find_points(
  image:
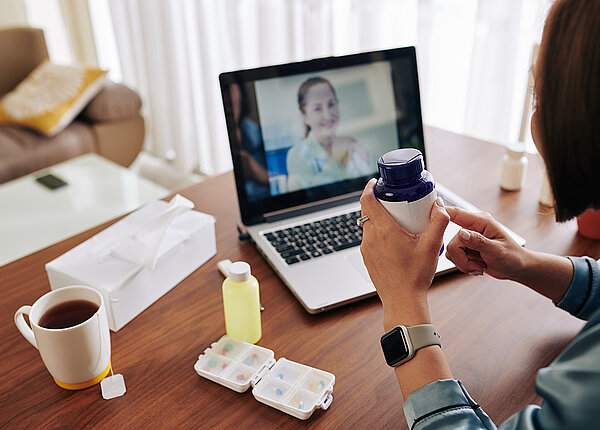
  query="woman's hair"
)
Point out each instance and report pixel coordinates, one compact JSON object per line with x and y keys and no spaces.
{"x":302,"y":95}
{"x":567,"y":90}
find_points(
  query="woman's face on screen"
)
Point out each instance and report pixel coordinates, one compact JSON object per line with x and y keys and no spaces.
{"x":321,"y":112}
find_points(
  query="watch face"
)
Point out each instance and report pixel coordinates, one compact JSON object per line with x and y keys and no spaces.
{"x":394,"y":346}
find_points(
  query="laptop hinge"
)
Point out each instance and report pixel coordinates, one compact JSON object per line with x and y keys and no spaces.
{"x":312,"y":207}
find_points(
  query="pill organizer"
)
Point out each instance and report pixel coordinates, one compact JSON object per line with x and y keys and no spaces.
{"x":291,"y":387}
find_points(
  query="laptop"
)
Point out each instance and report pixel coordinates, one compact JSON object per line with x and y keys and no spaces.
{"x":305,"y":138}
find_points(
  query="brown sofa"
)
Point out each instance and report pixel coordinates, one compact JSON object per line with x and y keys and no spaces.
{"x":111,"y":125}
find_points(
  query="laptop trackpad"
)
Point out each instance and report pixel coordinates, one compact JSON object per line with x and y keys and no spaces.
{"x":356,"y":261}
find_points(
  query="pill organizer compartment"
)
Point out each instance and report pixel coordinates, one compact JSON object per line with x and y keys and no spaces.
{"x":256,"y":358}
{"x":213,"y":364}
{"x":241,"y":374}
{"x":288,"y":371}
{"x":229,"y":348}
{"x":301,"y":399}
{"x":291,"y":387}
{"x":273,"y":389}
{"x":316,"y":381}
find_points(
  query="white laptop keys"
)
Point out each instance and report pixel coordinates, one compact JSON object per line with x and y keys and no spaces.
{"x":305,"y":138}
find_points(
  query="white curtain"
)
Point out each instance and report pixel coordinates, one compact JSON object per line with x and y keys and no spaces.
{"x":474,"y":62}
{"x":473,"y":58}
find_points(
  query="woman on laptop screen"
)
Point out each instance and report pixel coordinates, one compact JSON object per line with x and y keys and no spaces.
{"x":323,"y":157}
{"x":566,"y":130}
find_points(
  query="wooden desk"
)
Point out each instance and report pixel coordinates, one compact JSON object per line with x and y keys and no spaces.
{"x":496,"y":334}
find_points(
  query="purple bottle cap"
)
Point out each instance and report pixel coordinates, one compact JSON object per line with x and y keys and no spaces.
{"x":401,"y":165}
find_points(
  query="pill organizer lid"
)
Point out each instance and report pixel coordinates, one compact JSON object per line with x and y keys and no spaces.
{"x":291,"y":387}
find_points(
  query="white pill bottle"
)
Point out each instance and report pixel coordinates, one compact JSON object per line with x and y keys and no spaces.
{"x":406,"y":189}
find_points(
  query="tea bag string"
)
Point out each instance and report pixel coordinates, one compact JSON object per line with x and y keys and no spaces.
{"x":102,"y":344}
{"x":99,"y":357}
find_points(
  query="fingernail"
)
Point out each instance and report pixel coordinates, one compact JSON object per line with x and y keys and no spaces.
{"x":475,"y":273}
{"x":372,"y":180}
{"x":440,"y":201}
{"x":464,"y":234}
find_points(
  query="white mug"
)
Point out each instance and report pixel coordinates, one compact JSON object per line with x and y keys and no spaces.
{"x":77,"y":357}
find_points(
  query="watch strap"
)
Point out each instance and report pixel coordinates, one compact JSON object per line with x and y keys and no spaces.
{"x":423,"y":335}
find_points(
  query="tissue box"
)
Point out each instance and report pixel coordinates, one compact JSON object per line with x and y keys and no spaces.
{"x":166,"y":245}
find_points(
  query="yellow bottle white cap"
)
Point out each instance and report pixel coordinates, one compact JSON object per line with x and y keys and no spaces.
{"x":239,"y":271}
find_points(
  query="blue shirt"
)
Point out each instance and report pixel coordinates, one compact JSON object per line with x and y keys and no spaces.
{"x":569,"y":387}
{"x":310,"y":165}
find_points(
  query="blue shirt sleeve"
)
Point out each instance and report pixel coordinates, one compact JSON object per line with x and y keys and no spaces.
{"x":444,"y":404}
{"x":582,"y":298}
{"x":569,"y":387}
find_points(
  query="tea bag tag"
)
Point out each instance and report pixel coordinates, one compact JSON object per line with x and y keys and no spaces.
{"x":113,"y":386}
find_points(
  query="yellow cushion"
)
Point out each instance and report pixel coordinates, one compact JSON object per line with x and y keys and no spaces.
{"x":51,"y":97}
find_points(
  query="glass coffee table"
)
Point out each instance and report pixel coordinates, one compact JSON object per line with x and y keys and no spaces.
{"x":33,"y":216}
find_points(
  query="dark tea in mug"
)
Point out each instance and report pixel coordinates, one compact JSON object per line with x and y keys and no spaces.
{"x":68,"y":314}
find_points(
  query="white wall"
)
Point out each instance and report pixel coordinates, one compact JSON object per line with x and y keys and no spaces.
{"x":12,"y":13}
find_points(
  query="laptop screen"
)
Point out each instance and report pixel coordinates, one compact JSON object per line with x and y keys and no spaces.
{"x":313,"y":130}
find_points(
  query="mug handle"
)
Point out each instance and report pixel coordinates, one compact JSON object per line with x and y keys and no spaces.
{"x":23,"y":326}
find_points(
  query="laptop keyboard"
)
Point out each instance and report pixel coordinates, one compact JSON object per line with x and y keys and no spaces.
{"x":315,"y":239}
{"x":318,"y":238}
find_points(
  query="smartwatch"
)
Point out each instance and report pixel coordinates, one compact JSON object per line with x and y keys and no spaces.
{"x":400,"y":343}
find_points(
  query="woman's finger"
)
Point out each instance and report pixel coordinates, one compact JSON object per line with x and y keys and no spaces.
{"x":472,"y":254}
{"x":439,"y":222}
{"x":478,"y":222}
{"x":474,"y":240}
{"x":474,"y":268}
{"x":371,"y":207}
{"x":459,"y":255}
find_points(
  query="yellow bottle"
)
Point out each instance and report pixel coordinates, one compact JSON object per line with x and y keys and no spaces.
{"x":241,"y":303}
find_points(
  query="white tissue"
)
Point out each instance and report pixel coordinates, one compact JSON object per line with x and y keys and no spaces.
{"x":142,"y":248}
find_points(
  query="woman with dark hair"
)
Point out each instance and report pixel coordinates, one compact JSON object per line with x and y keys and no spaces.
{"x":247,"y":145}
{"x":566,"y":130}
{"x":323,"y":157}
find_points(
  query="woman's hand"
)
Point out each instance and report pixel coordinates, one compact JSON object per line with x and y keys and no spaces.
{"x":344,"y":149}
{"x":483,"y":246}
{"x":341,"y":150}
{"x":401,"y":265}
